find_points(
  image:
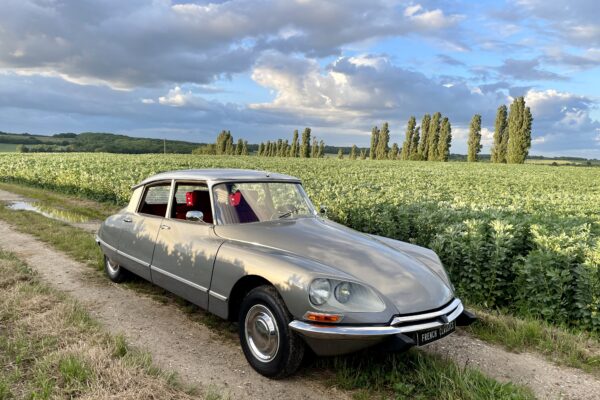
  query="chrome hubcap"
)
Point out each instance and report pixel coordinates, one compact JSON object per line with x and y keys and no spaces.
{"x":262,"y":333}
{"x":113,"y":267}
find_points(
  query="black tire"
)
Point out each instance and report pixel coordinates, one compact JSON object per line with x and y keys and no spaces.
{"x":290,"y":349}
{"x":115,"y":272}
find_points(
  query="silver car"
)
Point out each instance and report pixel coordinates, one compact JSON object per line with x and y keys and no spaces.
{"x":250,"y":247}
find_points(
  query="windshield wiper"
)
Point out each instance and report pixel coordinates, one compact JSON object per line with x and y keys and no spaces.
{"x":288,"y":213}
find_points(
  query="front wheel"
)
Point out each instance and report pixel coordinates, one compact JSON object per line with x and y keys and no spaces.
{"x":115,"y":272}
{"x":270,"y":346}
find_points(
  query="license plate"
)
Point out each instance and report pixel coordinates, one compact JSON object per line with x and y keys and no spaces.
{"x":431,"y":335}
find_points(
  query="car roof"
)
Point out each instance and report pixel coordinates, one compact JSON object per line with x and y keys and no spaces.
{"x":216,"y":175}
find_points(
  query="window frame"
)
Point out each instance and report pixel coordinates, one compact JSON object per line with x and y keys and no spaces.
{"x":176,"y":182}
{"x":142,"y":198}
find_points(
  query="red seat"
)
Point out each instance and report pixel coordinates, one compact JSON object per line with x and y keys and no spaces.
{"x":198,"y":200}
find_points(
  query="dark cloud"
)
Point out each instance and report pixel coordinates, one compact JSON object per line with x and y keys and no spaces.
{"x":527,"y":70}
{"x":446,"y":59}
{"x":145,"y":43}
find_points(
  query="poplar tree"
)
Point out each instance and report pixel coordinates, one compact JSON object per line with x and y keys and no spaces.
{"x":321,"y":152}
{"x":445,"y":140}
{"x":374,"y":142}
{"x":498,"y":154}
{"x":261,"y":148}
{"x":340,"y":153}
{"x":414,"y":147}
{"x":238,"y":147}
{"x":229,"y":147}
{"x":295,"y":149}
{"x":519,"y":132}
{"x":245,"y":148}
{"x":383,"y":142}
{"x":222,"y":141}
{"x":285,"y":150}
{"x":363,"y":154}
{"x":305,"y":149}
{"x":393,"y":154}
{"x":353,"y":154}
{"x":424,"y":144}
{"x":433,"y":136}
{"x":408,"y":139}
{"x":474,"y":141}
{"x":315,"y":148}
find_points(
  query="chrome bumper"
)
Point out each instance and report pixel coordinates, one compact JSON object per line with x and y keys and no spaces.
{"x":400,"y":324}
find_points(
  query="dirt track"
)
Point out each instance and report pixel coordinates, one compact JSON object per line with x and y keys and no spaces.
{"x":199,"y":357}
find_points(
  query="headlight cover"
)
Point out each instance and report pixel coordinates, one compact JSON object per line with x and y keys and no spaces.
{"x":347,"y":296}
{"x":319,"y":291}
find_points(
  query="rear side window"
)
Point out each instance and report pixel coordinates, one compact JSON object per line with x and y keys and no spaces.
{"x":156,"y":200}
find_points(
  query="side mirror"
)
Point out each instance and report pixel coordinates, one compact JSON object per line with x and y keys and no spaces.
{"x":323,"y":210}
{"x":194,"y":216}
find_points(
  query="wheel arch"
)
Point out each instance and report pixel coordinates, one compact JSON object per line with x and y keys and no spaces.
{"x":241,"y":288}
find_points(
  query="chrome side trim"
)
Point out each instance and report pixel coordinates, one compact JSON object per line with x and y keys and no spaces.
{"x":134,"y":259}
{"x":103,"y":243}
{"x":217,"y":295}
{"x":321,"y":331}
{"x":419,"y":317}
{"x":177,"y":278}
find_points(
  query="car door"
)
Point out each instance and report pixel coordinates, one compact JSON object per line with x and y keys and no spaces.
{"x":140,"y":227}
{"x":185,"y":250}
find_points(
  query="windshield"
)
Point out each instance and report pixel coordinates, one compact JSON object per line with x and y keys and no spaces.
{"x":240,"y":203}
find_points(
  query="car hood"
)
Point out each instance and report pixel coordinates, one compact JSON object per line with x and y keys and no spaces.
{"x":399,"y":275}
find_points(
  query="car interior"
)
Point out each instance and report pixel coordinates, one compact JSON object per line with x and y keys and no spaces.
{"x":192,"y":198}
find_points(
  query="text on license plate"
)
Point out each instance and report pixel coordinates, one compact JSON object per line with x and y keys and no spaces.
{"x":435,"y":334}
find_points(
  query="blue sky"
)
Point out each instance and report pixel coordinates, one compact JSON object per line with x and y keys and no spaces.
{"x":262,"y":68}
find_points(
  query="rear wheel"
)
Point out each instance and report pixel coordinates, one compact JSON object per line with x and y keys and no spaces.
{"x":270,"y":346}
{"x":115,"y":272}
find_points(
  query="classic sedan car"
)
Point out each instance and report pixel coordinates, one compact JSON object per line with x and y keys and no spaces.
{"x":250,"y":247}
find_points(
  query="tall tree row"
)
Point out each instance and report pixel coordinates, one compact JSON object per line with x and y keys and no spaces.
{"x":305,"y":149}
{"x":498,"y":154}
{"x":445,"y":140}
{"x":519,"y":132}
{"x":408,"y":138}
{"x":374,"y":143}
{"x":474,"y":142}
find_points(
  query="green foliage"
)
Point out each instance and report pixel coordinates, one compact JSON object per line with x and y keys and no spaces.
{"x":434,"y":136}
{"x":353,"y":153}
{"x":424,"y":144}
{"x":521,"y":238}
{"x":314,"y":149}
{"x":519,"y":131}
{"x":409,"y":138}
{"x":295,"y":148}
{"x":321,"y":151}
{"x":374,"y":143}
{"x":383,"y":142}
{"x":340,"y":154}
{"x":445,"y":140}
{"x":305,"y":149}
{"x":474,"y":142}
{"x":394,"y":152}
{"x":500,"y":136}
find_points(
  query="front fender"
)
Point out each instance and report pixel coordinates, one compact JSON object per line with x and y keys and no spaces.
{"x":289,"y":273}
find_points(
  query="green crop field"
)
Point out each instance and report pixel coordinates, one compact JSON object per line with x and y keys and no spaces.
{"x":8,"y":148}
{"x":524,"y":238}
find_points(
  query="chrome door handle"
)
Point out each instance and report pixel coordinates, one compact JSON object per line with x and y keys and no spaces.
{"x":165,"y":227}
{"x":127,"y":219}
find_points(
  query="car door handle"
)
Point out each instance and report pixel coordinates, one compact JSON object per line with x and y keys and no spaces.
{"x":165,"y":227}
{"x":127,"y":219}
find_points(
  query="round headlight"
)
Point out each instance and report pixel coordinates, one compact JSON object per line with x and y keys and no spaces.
{"x":319,"y":291}
{"x":343,"y":291}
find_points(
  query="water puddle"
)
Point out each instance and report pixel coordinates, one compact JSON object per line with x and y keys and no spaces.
{"x":49,"y":212}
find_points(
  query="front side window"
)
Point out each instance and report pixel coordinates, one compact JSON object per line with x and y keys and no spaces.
{"x":245,"y":202}
{"x":156,"y":200}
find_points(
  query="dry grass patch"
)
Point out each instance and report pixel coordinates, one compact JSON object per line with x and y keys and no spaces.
{"x":51,"y":348}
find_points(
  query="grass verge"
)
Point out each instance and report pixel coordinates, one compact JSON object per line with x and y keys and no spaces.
{"x":575,"y":349}
{"x":51,"y":348}
{"x":85,"y":208}
{"x":411,"y":375}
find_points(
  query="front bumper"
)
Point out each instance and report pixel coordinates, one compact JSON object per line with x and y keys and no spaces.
{"x":341,"y":339}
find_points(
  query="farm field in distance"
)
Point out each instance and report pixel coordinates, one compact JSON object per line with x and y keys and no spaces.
{"x":523,"y":238}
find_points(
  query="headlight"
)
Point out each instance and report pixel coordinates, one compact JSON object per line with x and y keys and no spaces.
{"x":347,"y":296}
{"x":319,"y":291}
{"x":343,"y":291}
